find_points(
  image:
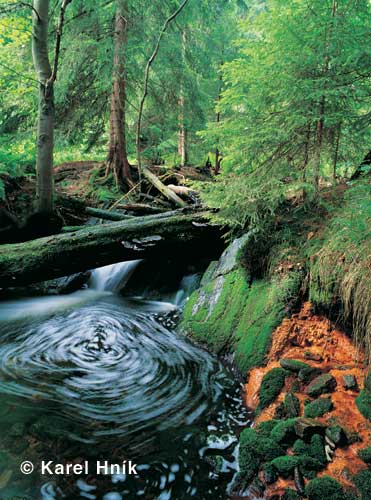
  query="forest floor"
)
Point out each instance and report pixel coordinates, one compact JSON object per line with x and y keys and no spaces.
{"x":316,"y":341}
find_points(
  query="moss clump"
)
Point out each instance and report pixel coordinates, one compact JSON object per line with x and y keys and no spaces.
{"x":291,"y":495}
{"x":315,"y":449}
{"x":264,"y":429}
{"x":318,"y":408}
{"x":365,"y":455}
{"x":271,"y":386}
{"x":324,"y":488}
{"x":284,"y":432}
{"x":307,"y":374}
{"x":363,"y":483}
{"x":291,"y":405}
{"x":363,"y":401}
{"x":286,"y":464}
{"x":264,"y":448}
{"x":293,"y":365}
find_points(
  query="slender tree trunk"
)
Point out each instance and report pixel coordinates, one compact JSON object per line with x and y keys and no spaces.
{"x":336,"y":150}
{"x":45,"y":129}
{"x":117,"y":160}
{"x":182,"y":131}
{"x":218,"y":156}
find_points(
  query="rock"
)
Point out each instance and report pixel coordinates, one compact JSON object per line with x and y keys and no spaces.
{"x":336,"y":434}
{"x":320,"y":385}
{"x":306,"y":427}
{"x":306,"y":375}
{"x":291,"y":405}
{"x":318,"y":407}
{"x":293,"y":365}
{"x":329,"y":453}
{"x":299,"y":481}
{"x":313,"y":356}
{"x":350,"y":382}
{"x":269,"y":474}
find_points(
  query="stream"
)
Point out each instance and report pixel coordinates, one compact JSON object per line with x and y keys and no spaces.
{"x":95,"y":376}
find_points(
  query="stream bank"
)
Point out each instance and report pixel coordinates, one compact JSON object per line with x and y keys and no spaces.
{"x":291,"y":311}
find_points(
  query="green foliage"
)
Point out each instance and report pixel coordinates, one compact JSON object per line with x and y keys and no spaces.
{"x":318,"y":408}
{"x":271,"y":386}
{"x":315,"y":449}
{"x":363,"y":402}
{"x":365,"y":455}
{"x":363,"y":483}
{"x":265,"y":428}
{"x":324,"y":487}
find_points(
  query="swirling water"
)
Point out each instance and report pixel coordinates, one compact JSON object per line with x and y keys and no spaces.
{"x":94,"y":376}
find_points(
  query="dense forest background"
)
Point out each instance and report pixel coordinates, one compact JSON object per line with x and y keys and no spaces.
{"x":271,"y":95}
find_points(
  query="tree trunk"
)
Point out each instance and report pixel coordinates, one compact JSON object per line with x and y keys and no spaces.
{"x":143,"y":237}
{"x":182,"y":131}
{"x":45,"y":129}
{"x":117,"y":160}
{"x":218,"y":156}
{"x":336,"y":150}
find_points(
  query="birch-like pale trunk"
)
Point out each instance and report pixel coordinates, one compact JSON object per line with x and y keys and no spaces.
{"x":45,"y":129}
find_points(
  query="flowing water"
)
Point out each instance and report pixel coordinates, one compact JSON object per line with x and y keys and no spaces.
{"x":91,"y":377}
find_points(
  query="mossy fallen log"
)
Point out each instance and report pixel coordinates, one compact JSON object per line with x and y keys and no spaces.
{"x":94,"y":246}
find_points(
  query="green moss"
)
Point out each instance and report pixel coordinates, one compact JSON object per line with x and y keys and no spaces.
{"x":363,"y":402}
{"x":315,"y":449}
{"x":324,"y":488}
{"x":263,"y":447}
{"x":363,"y":483}
{"x":264,"y":429}
{"x":293,"y":365}
{"x":228,"y":313}
{"x":286,"y":464}
{"x":365,"y":455}
{"x":284,"y":432}
{"x":291,"y":495}
{"x":271,"y":386}
{"x":318,"y":408}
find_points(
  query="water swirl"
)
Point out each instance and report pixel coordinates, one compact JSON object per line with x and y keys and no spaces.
{"x":112,"y":368}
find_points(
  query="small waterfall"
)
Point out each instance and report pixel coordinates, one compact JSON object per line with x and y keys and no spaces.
{"x":114,"y":277}
{"x":188,"y":284}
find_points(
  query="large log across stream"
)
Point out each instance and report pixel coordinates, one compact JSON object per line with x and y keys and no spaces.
{"x":93,"y":246}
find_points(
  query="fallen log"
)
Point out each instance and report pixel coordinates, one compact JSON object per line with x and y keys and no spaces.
{"x":100,"y":213}
{"x":142,"y":208}
{"x":168,"y":193}
{"x":141,"y":237}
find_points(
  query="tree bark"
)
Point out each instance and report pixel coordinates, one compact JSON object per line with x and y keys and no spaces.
{"x":45,"y":129}
{"x":93,"y":246}
{"x":117,"y":159}
{"x":182,"y":131}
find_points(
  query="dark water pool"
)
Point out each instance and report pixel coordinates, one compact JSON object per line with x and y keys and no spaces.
{"x":93,"y":377}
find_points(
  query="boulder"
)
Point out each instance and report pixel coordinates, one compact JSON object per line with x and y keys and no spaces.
{"x":306,"y":427}
{"x":321,"y":385}
{"x":293,"y":365}
{"x":350,"y":382}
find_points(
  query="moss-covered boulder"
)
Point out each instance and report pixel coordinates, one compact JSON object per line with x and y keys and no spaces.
{"x":293,"y":365}
{"x":324,"y":488}
{"x":365,"y":455}
{"x":318,"y":407}
{"x":291,"y":495}
{"x":363,"y":400}
{"x":363,"y":483}
{"x":228,"y":312}
{"x":321,"y":385}
{"x":271,"y":386}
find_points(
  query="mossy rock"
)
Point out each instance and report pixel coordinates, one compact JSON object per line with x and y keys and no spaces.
{"x":321,"y":385}
{"x":291,"y":405}
{"x":269,"y":473}
{"x":290,"y":495}
{"x":293,"y":365}
{"x":271,"y":386}
{"x":228,"y":311}
{"x":314,"y":449}
{"x":286,"y":464}
{"x":363,"y":402}
{"x":309,"y":373}
{"x":324,"y":488}
{"x":318,"y":408}
{"x":306,"y":427}
{"x":337,"y":435}
{"x":264,"y":448}
{"x":365,"y":455}
{"x":363,"y":484}
{"x":264,"y":429}
{"x":284,"y":432}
